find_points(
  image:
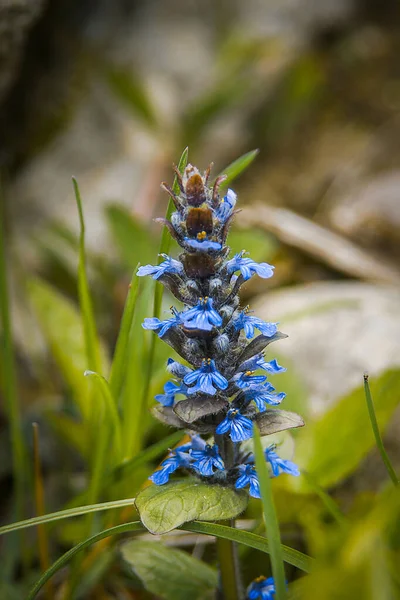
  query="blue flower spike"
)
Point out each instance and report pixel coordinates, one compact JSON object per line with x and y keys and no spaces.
{"x":202,"y":316}
{"x":262,"y":588}
{"x":213,"y":393}
{"x":205,"y":378}
{"x":168,"y":265}
{"x":249,"y":267}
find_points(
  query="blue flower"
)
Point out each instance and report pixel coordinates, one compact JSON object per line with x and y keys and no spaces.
{"x":169,"y":265}
{"x":258,"y":362}
{"x":179,"y":457}
{"x":170,"y":391}
{"x":202,"y":243}
{"x":248,"y":267}
{"x":240,"y":428}
{"x":246,"y":379}
{"x":280,"y":465}
{"x":262,"y":394}
{"x":226,"y":206}
{"x":207,"y":460}
{"x":162,"y":327}
{"x":202,"y":316}
{"x":248,"y":476}
{"x":205,"y":377}
{"x":249,"y":323}
{"x":261,"y":589}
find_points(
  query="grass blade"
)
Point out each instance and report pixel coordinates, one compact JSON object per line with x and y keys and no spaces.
{"x":271,"y":520}
{"x":327,"y":501}
{"x":237,"y":167}
{"x":220,"y":531}
{"x":252,"y":540}
{"x":66,"y":514}
{"x":120,"y":359}
{"x":377,"y":434}
{"x":110,"y":410}
{"x":158,"y":293}
{"x":89,"y":325}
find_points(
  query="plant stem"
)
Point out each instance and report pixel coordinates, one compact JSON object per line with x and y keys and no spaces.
{"x":230,"y":582}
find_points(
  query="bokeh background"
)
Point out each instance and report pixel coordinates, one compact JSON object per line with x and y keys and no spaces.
{"x":111,"y":93}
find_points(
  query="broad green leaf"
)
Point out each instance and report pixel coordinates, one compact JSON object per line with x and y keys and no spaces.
{"x":61,"y":324}
{"x":332,"y":447}
{"x":270,"y":517}
{"x":170,"y":574}
{"x":163,"y":508}
{"x":237,"y":167}
{"x":121,"y":354}
{"x":257,"y":243}
{"x":133,"y":240}
{"x":132,"y":92}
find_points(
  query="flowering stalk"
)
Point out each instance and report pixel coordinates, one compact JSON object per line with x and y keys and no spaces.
{"x":224,"y":390}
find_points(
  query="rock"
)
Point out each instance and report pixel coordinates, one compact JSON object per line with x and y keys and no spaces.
{"x":337,"y":331}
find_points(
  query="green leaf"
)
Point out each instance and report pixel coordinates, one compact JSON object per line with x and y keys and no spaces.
{"x":332,"y":447}
{"x":237,"y":167}
{"x":132,"y":92}
{"x":274,"y":420}
{"x":121,"y":354}
{"x":163,"y":508}
{"x":133,"y":240}
{"x":270,"y":517}
{"x":169,"y":573}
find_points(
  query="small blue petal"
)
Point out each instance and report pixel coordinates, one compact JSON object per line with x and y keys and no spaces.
{"x":240,"y":428}
{"x":202,"y":245}
{"x":248,"y":267}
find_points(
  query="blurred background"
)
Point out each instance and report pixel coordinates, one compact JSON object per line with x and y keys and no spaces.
{"x":111,"y":93}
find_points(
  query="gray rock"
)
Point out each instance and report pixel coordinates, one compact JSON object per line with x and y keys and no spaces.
{"x":337,"y":331}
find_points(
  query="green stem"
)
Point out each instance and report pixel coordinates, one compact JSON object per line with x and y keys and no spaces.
{"x":230,"y":582}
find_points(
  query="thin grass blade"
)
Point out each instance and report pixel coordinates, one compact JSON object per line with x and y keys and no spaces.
{"x":121,"y":353}
{"x":250,"y":539}
{"x":88,"y":321}
{"x":271,"y":520}
{"x":237,"y":167}
{"x":158,"y":292}
{"x":110,"y":410}
{"x":377,"y":434}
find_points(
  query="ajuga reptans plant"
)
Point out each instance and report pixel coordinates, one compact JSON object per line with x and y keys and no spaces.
{"x":225,"y":390}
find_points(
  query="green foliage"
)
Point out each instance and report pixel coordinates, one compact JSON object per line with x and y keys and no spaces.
{"x":333,"y":446}
{"x":169,"y":573}
{"x":163,"y":508}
